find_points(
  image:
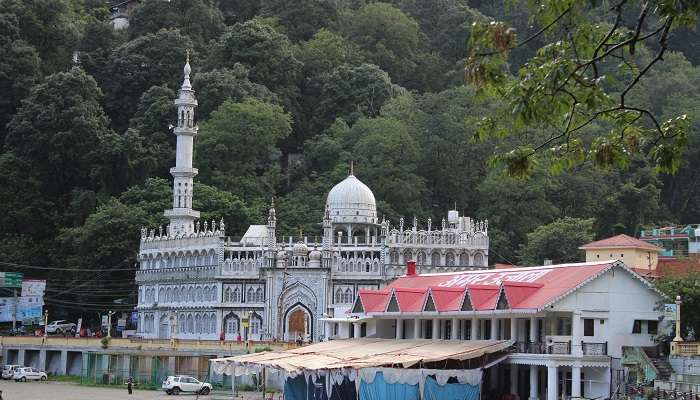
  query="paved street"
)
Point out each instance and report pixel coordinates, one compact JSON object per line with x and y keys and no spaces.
{"x":70,"y":391}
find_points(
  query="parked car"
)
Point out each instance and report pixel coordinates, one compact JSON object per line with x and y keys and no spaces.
{"x":8,"y":371}
{"x":182,"y":383}
{"x":19,"y":331}
{"x":60,"y":327}
{"x":24,"y":374}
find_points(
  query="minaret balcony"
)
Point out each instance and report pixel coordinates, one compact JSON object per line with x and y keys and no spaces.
{"x":182,"y":212}
{"x":183,"y":172}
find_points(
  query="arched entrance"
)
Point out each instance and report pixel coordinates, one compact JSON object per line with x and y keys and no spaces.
{"x":298,"y":321}
{"x":231,"y":326}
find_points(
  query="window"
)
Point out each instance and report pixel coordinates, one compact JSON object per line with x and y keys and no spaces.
{"x":653,"y":327}
{"x":255,"y":326}
{"x":588,"y":327}
{"x":637,"y":327}
{"x":564,"y":326}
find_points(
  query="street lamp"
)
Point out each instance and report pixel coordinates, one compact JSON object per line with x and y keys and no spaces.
{"x":678,"y":337}
{"x":46,"y":321}
{"x":109,"y":323}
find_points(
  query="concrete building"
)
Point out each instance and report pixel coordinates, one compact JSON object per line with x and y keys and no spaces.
{"x":195,"y":282}
{"x":568,"y":323}
{"x":641,"y":256}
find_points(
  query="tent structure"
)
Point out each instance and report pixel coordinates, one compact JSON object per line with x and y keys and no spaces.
{"x":380,"y":368}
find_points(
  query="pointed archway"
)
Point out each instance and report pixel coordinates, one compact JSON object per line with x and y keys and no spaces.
{"x":298,"y":320}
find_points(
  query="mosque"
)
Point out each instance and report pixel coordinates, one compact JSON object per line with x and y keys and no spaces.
{"x":194,"y":282}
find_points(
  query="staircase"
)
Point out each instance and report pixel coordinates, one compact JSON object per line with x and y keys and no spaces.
{"x":661,"y":364}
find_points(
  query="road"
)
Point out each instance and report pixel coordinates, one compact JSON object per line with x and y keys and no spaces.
{"x":70,"y":391}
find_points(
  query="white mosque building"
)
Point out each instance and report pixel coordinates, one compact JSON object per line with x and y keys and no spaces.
{"x":195,"y":282}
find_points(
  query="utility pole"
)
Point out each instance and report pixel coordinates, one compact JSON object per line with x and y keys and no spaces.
{"x":46,"y":321}
{"x":14,"y":311}
{"x":109,"y":324}
{"x":678,"y":337}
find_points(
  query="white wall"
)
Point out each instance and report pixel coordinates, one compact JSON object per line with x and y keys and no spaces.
{"x":624,"y":299}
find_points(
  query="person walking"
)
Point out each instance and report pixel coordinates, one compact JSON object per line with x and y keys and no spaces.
{"x":129,"y":385}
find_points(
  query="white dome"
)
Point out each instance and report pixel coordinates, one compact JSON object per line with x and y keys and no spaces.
{"x":315,"y":255}
{"x":300,"y":249}
{"x":351,"y":201}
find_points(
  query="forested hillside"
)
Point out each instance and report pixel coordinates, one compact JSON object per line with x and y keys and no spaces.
{"x":290,"y":92}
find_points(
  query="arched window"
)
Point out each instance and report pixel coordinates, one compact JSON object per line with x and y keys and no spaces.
{"x":407,"y":256}
{"x":464,"y":260}
{"x":190,"y":294}
{"x":339,"y":296}
{"x":249,"y":294}
{"x":394,"y":257}
{"x":450,"y":259}
{"x":478,"y":259}
{"x":212,"y":323}
{"x":227,"y":294}
{"x":348,"y":296}
{"x":161,"y":295}
{"x":190,"y":323}
{"x":231,"y":324}
{"x":199,"y":294}
{"x":236,"y":295}
{"x":435,"y":259}
{"x":259,"y":297}
{"x":169,"y":295}
{"x":205,"y":323}
{"x":255,"y":325}
{"x":182,"y":321}
{"x":213,"y":293}
{"x":197,"y":323}
{"x":421,"y":258}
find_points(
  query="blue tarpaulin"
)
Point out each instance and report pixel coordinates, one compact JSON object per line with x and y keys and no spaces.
{"x":450,"y":391}
{"x":380,"y":390}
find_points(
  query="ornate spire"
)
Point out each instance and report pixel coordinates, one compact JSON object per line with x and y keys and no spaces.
{"x":352,"y":167}
{"x":187,"y":70}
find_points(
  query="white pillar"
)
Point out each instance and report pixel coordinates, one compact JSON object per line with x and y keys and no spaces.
{"x":533,"y":329}
{"x":356,"y":330}
{"x":436,"y":328}
{"x":514,"y":329}
{"x":494,"y":329}
{"x":416,"y":328}
{"x":399,"y":328}
{"x":327,"y":329}
{"x":576,"y":381}
{"x":455,"y":330}
{"x":514,"y":379}
{"x":63,"y":366}
{"x":551,"y":382}
{"x":42,"y":360}
{"x":474,"y":331}
{"x":576,"y":335}
{"x":534,"y":383}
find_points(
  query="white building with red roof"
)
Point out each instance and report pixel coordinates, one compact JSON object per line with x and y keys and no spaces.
{"x":568,"y":323}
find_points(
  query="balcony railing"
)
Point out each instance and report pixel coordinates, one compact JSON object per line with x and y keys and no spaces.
{"x":588,"y":349}
{"x":543,"y":348}
{"x":685,"y":349}
{"x":594,"y":349}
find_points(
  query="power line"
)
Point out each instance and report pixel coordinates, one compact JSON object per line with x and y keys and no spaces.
{"x":10,"y":264}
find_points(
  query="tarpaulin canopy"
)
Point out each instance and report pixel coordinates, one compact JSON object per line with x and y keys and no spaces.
{"x":357,"y":354}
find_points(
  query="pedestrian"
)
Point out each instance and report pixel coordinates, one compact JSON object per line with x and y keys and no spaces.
{"x":129,"y":384}
{"x":222,"y":336}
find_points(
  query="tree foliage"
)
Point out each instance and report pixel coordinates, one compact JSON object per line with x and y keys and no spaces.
{"x":558,"y":241}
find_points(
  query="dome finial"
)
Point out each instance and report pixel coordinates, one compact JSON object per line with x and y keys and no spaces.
{"x":352,"y":167}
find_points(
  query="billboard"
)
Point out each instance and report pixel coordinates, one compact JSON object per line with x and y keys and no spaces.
{"x":33,"y":287}
{"x":29,"y":308}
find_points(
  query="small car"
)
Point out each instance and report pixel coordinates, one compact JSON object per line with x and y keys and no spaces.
{"x":8,"y":371}
{"x":24,"y":374}
{"x":60,"y":326}
{"x":183,"y":383}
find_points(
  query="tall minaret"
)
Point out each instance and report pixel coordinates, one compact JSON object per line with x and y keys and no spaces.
{"x":182,"y":215}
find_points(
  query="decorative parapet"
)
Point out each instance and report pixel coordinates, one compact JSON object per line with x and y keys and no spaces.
{"x":184,"y":274}
{"x":201,"y":229}
{"x":685,"y":349}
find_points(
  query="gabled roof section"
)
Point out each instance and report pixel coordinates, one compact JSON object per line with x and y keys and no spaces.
{"x":410,"y":299}
{"x":621,"y":242}
{"x":484,"y":297}
{"x":429,"y":303}
{"x":373,"y":300}
{"x":517,"y":292}
{"x":466,"y":302}
{"x":392,"y":305}
{"x":447,"y":299}
{"x":502,"y":303}
{"x":357,"y":308}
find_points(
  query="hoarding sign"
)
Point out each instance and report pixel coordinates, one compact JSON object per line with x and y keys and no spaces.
{"x":670,"y":311}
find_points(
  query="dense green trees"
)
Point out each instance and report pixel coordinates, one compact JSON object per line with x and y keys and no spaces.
{"x":290,"y":94}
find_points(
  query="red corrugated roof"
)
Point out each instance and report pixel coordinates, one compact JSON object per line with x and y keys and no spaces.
{"x":621,"y":241}
{"x":411,"y":299}
{"x":484,"y":297}
{"x":374,"y":300}
{"x":525,"y":288}
{"x":447,"y":299}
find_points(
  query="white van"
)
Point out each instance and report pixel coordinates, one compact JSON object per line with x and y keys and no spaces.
{"x":8,"y":371}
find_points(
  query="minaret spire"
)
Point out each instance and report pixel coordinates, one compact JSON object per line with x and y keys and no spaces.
{"x":352,"y":167}
{"x":182,"y":216}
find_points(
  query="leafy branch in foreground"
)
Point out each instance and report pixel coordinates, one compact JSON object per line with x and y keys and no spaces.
{"x":576,"y":88}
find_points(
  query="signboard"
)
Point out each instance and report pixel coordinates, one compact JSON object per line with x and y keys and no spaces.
{"x":670,"y":311}
{"x":33,"y":287}
{"x":21,"y":308}
{"x":121,"y":324}
{"x":11,"y":279}
{"x":105,"y":320}
{"x":79,"y":327}
{"x":244,"y":322}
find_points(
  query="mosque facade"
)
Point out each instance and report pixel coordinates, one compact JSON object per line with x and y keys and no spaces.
{"x":195,"y":282}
